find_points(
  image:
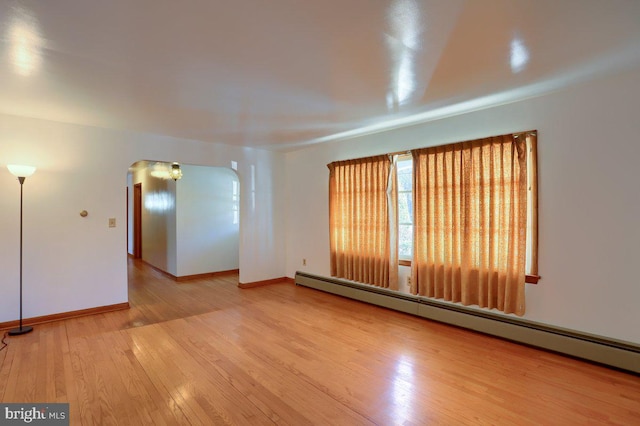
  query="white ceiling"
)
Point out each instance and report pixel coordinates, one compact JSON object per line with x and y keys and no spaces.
{"x":282,"y":73}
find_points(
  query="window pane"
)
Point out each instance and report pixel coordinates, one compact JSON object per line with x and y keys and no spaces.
{"x":404,"y":208}
{"x":405,"y":170}
{"x":405,"y":241}
{"x":404,"y":181}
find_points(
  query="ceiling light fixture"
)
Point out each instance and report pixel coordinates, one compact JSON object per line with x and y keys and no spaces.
{"x":176,"y":172}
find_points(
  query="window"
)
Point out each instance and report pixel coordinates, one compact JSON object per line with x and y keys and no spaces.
{"x":405,"y":207}
{"x":462,"y":215}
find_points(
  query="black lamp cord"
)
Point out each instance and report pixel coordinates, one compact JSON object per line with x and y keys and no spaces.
{"x":4,"y":344}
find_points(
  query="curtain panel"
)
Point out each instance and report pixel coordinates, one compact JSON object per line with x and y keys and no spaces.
{"x":470,"y":222}
{"x":359,"y":221}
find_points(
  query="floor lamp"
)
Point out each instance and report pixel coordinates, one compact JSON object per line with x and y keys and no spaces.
{"x":21,"y":172}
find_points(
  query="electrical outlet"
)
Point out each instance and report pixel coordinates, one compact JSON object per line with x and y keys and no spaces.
{"x":304,"y":262}
{"x":409,"y":280}
{"x":112,"y":222}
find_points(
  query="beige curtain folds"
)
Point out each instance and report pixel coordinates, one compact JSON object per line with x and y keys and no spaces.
{"x":470,"y":220}
{"x":359,"y":220}
{"x":392,"y":207}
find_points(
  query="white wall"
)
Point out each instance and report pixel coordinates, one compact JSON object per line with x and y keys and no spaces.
{"x":589,"y":202}
{"x":73,"y":263}
{"x":207,"y":233}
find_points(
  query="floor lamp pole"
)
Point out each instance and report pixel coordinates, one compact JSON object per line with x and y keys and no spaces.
{"x":22,"y":329}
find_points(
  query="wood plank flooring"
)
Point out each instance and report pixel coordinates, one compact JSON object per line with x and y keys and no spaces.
{"x":205,"y":352}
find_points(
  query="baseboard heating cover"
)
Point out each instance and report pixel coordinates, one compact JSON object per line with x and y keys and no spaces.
{"x":611,"y":352}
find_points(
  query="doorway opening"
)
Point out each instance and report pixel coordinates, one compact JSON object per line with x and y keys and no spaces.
{"x":188,"y":227}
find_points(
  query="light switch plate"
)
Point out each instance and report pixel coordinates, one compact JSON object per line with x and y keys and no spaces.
{"x":112,"y":222}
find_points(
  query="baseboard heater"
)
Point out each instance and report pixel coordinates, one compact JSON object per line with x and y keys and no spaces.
{"x":611,"y":352}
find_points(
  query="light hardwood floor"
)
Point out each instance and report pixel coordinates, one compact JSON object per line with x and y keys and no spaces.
{"x":205,"y":352}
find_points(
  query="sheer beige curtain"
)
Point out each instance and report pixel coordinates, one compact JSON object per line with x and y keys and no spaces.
{"x":470,"y":221}
{"x":359,"y":221}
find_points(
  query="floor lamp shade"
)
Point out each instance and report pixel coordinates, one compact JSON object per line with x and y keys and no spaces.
{"x":22,"y":172}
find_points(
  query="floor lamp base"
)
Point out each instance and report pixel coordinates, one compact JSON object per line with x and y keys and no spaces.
{"x":21,"y":330}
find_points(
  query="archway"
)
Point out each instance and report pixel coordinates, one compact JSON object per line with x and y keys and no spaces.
{"x":187,"y":228}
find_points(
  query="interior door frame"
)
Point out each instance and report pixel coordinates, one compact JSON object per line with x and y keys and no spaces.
{"x":137,"y":221}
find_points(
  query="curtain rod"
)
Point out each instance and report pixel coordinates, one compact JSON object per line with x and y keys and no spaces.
{"x":409,"y":151}
{"x":528,"y":133}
